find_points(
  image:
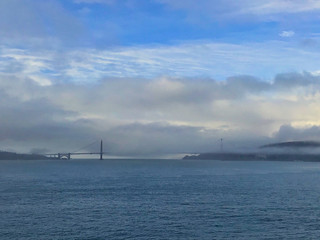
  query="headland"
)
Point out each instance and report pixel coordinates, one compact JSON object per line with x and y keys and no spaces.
{"x":18,"y":156}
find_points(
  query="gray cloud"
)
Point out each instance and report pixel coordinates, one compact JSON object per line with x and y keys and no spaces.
{"x":157,"y":138}
{"x":291,"y":80}
{"x":158,"y":116}
{"x":241,"y":85}
{"x":290,"y":133}
{"x":40,"y":123}
{"x":160,"y":139}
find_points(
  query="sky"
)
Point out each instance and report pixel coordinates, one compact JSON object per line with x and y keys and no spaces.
{"x":158,"y":77}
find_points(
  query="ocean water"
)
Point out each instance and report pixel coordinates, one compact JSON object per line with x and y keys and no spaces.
{"x":159,"y":199}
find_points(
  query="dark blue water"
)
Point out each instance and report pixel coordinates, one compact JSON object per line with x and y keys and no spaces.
{"x":159,"y":199}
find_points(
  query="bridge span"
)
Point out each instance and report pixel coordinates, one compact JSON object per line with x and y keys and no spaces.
{"x":65,"y":155}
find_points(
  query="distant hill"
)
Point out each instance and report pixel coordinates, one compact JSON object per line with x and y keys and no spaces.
{"x":293,"y":144}
{"x":255,"y":157}
{"x":17,"y":156}
{"x":286,"y":154}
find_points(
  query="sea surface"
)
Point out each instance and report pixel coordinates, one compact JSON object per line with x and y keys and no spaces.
{"x":159,"y":199}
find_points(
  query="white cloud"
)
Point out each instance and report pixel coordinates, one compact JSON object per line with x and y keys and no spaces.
{"x":287,"y":34}
{"x":281,"y":6}
{"x":230,"y":9}
{"x":193,"y":59}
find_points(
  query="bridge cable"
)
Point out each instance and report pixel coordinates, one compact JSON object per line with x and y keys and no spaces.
{"x":89,"y":145}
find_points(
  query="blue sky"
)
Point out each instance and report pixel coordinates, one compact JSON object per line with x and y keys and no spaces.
{"x":263,"y":32}
{"x":150,"y":75}
{"x":164,"y":22}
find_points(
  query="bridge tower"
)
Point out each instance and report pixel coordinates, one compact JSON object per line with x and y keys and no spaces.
{"x":101,"y":150}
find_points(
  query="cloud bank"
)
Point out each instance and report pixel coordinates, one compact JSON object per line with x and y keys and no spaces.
{"x":159,"y":116}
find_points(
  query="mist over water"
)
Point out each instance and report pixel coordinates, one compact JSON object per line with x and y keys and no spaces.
{"x":159,"y":199}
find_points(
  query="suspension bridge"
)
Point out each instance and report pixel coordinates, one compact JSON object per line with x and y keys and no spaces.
{"x":64,"y":155}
